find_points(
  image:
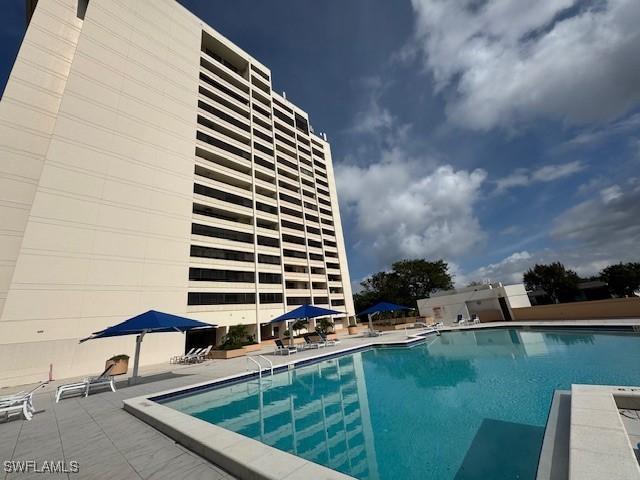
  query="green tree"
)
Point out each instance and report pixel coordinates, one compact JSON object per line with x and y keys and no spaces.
{"x":236,"y":336}
{"x":623,"y":279}
{"x":560,"y":283}
{"x":324,"y":326}
{"x":298,"y":325}
{"x":407,"y":282}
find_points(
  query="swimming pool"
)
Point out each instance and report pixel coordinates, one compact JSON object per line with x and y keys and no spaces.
{"x":464,"y":405}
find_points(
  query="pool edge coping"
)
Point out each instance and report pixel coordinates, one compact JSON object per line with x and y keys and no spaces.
{"x":236,"y":453}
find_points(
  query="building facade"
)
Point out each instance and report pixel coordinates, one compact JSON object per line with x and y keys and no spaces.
{"x":492,"y":302}
{"x":147,"y":163}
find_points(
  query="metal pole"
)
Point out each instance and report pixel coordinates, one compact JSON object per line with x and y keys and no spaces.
{"x":136,"y":360}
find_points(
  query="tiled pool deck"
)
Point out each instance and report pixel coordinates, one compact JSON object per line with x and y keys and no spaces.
{"x":107,"y":441}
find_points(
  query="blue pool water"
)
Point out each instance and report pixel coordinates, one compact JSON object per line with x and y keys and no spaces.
{"x":465,"y":405}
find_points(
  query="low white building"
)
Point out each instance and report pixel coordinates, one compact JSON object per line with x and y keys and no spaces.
{"x":491,"y":302}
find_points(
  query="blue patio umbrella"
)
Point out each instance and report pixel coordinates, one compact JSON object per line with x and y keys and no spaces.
{"x":303,"y":312}
{"x":381,"y":307}
{"x":148,"y":322}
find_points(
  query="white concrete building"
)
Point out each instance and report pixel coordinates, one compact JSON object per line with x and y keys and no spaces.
{"x":147,"y":163}
{"x":491,"y":302}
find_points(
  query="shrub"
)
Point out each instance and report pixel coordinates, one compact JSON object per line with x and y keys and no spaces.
{"x":117,"y":358}
{"x":324,"y":326}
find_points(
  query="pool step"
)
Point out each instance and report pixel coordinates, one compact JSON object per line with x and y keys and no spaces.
{"x":554,"y":455}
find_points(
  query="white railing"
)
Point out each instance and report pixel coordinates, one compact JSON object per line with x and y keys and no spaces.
{"x":259,"y":366}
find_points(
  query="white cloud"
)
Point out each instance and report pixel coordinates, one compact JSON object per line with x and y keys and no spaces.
{"x":605,"y":224}
{"x":523,"y":177}
{"x":508,"y":271}
{"x":374,"y":117}
{"x":400,"y":205}
{"x":611,"y":193}
{"x":591,"y":235}
{"x":403,"y":209}
{"x":593,"y":136}
{"x":503,"y":61}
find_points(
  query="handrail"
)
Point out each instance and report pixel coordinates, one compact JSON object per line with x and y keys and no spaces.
{"x":259,"y":367}
{"x":269,"y":362}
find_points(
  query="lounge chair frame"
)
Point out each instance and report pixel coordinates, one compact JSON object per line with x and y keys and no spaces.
{"x":103,"y":380}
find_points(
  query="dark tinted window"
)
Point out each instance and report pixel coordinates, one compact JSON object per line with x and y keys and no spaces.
{"x":208,"y":298}
{"x":269,"y":277}
{"x":270,"y":298}
{"x":268,"y":241}
{"x":223,"y":233}
{"x":298,"y":300}
{"x":270,"y":259}
{"x":224,"y":196}
{"x":212,"y":275}
{"x":209,"y":252}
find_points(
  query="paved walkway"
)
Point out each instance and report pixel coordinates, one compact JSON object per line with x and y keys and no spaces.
{"x":107,"y":442}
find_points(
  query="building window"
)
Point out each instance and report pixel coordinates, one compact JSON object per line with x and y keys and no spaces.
{"x":270,"y":277}
{"x":211,"y":275}
{"x":292,"y":225}
{"x":263,"y":207}
{"x":336,"y":302}
{"x":219,"y":253}
{"x":270,"y":298}
{"x":268,"y":241}
{"x":295,"y":268}
{"x":291,"y":211}
{"x":208,"y":298}
{"x":294,"y":254}
{"x":264,"y":163}
{"x":203,"y":137}
{"x":290,"y":199}
{"x":223,"y":233}
{"x":292,"y":239}
{"x":298,"y":300}
{"x":321,"y":300}
{"x":223,"y":196}
{"x":270,"y":259}
{"x":316,"y":256}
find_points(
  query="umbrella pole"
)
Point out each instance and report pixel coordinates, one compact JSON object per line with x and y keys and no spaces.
{"x":290,"y":334}
{"x":370,"y":324}
{"x":136,"y":360}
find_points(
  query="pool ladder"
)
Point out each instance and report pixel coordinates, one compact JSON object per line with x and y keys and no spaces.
{"x":259,"y":368}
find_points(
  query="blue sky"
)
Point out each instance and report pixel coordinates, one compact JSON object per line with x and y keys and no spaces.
{"x":491,"y":133}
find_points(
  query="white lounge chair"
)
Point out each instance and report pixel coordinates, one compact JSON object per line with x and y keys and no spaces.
{"x":327,"y":340}
{"x":190,"y":357}
{"x":21,"y":402}
{"x":178,"y":358}
{"x":101,"y":381}
{"x":202,"y":356}
{"x":281,"y":349}
{"x":475,"y":318}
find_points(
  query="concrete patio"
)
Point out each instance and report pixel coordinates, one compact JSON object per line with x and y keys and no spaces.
{"x":107,"y":441}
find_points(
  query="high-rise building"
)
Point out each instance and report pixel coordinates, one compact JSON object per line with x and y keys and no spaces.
{"x":147,"y":164}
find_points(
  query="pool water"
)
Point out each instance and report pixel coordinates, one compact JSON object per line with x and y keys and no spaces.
{"x":465,"y":405}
